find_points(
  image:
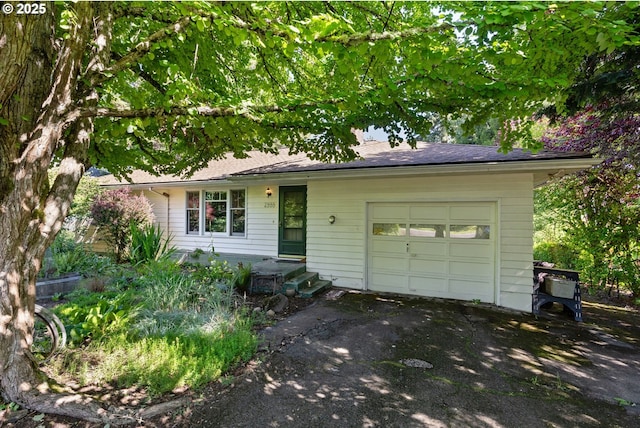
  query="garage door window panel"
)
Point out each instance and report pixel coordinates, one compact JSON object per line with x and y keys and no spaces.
{"x":465,"y":231}
{"x":428,"y":230}
{"x":389,"y":229}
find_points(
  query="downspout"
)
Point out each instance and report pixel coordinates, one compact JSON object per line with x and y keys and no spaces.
{"x":166,"y":195}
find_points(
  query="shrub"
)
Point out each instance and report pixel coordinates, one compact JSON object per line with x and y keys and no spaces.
{"x":242,"y":277}
{"x":115,"y":211}
{"x":170,"y":329}
{"x":554,"y":252}
{"x":165,"y":287}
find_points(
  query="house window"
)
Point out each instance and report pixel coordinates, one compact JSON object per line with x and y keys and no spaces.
{"x":193,"y":212}
{"x":237,"y":212}
{"x":215,"y":211}
{"x":218,"y":211}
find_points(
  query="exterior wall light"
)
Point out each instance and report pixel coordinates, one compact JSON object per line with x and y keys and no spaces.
{"x":268,"y":192}
{"x":332,"y":219}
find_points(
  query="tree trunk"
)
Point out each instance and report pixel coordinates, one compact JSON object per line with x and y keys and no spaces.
{"x":36,"y":98}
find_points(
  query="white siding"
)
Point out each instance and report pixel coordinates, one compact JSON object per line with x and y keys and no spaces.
{"x":338,"y":251}
{"x":261,"y":234}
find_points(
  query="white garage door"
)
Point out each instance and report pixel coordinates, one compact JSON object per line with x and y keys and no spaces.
{"x":433,"y":249}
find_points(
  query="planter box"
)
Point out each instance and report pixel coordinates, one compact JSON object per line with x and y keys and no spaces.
{"x":48,"y":288}
{"x":559,"y":287}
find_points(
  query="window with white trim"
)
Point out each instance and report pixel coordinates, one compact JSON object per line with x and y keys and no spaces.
{"x":216,"y":211}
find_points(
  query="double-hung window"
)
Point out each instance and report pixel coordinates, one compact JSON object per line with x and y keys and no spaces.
{"x":216,"y":211}
{"x":193,"y":212}
{"x":237,"y":210}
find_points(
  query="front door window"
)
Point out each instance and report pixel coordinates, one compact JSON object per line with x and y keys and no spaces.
{"x":293,"y":220}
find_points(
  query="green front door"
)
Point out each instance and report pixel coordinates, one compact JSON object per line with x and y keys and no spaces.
{"x":293,"y":221}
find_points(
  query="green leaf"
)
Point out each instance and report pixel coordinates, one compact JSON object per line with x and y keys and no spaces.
{"x":38,"y":418}
{"x":3,"y":121}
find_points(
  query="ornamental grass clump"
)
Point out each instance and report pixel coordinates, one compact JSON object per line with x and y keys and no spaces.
{"x":148,"y":244}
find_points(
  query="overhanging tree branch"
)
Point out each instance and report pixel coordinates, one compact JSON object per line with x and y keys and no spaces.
{"x":353,"y":39}
{"x":350,"y":40}
{"x":141,"y":49}
{"x":202,"y":110}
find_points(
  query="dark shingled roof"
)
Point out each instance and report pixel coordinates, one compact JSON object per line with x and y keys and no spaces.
{"x":379,"y":154}
{"x":374,"y":154}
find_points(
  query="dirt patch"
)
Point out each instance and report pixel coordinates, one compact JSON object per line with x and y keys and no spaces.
{"x":372,"y":360}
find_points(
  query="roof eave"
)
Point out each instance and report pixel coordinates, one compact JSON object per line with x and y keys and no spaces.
{"x":168,"y":184}
{"x":541,"y":168}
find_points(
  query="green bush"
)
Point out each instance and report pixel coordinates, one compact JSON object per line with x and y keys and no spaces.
{"x":164,"y":286}
{"x":179,"y":301}
{"x":563,"y":256}
{"x":169,"y":328}
{"x":242,"y":277}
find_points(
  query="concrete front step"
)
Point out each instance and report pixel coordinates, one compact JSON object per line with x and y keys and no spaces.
{"x":314,"y":288}
{"x":302,"y":280}
{"x":307,"y":284}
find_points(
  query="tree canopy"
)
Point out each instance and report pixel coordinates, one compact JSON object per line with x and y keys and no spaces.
{"x":190,"y":81}
{"x":167,"y":86}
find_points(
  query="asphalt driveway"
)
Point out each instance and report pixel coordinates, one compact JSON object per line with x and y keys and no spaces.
{"x":367,"y":360}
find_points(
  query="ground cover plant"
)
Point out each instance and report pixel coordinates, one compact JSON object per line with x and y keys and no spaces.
{"x":66,"y":256}
{"x":163,"y":327}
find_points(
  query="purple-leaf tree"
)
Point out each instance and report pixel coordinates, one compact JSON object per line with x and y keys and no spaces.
{"x":600,"y":207}
{"x":114,"y":211}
